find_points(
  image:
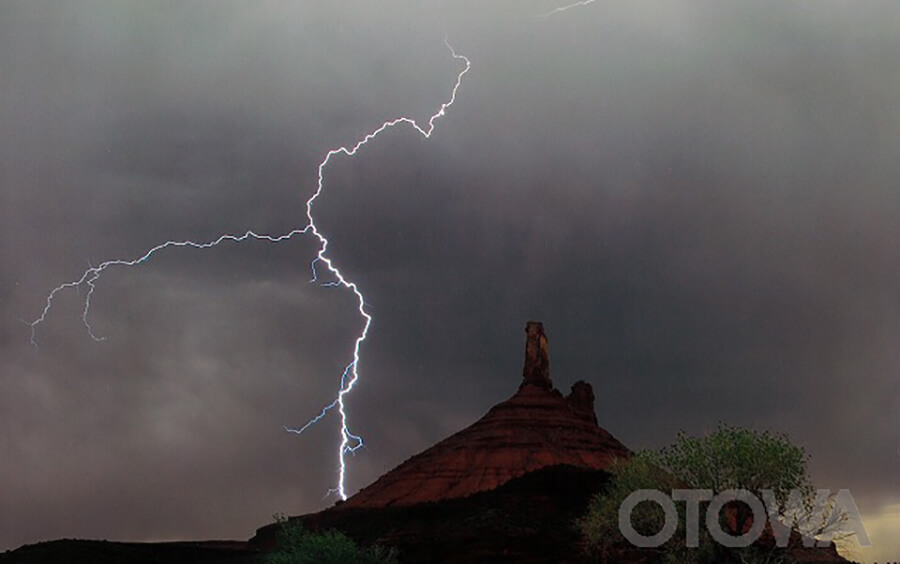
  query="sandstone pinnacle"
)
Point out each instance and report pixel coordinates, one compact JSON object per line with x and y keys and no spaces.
{"x":537,"y":357}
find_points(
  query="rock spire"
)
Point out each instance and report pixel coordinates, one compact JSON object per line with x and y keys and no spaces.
{"x":537,"y":357}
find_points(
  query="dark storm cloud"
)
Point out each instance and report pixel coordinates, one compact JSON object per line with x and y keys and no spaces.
{"x":699,"y":200}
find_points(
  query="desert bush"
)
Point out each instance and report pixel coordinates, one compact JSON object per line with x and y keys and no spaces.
{"x":296,"y":545}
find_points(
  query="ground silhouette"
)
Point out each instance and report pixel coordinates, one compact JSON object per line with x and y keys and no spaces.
{"x":507,"y":489}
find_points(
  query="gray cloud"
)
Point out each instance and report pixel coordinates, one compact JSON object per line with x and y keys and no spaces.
{"x":699,"y":202}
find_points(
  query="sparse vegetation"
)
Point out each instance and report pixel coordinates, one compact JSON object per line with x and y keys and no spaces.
{"x":296,"y":545}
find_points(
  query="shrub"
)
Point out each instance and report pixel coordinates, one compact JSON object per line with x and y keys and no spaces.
{"x":296,"y":545}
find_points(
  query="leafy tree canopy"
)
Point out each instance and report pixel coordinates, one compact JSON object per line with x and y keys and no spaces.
{"x":726,"y":459}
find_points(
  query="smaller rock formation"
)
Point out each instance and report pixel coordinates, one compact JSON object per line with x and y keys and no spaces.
{"x":581,"y":401}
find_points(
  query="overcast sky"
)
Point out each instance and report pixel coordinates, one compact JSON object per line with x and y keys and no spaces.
{"x":699,"y":199}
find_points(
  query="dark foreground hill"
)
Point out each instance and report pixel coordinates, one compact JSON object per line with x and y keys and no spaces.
{"x":67,"y":551}
{"x":525,"y":521}
{"x":528,"y":520}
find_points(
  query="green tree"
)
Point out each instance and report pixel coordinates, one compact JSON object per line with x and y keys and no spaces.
{"x":728,"y":458}
{"x":296,"y":545}
{"x":735,"y":458}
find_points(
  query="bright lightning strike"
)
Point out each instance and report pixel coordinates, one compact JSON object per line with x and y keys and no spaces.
{"x":567,"y":7}
{"x":349,"y":441}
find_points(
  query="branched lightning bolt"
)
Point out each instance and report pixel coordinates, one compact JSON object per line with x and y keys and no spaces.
{"x":567,"y":7}
{"x":349,"y":441}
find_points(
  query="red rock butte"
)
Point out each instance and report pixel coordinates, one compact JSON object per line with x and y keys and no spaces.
{"x":536,"y":428}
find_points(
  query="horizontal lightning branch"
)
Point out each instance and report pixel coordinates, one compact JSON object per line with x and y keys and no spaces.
{"x":93,"y":273}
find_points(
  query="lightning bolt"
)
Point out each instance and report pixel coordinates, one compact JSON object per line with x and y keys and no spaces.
{"x":349,"y":441}
{"x":567,"y":7}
